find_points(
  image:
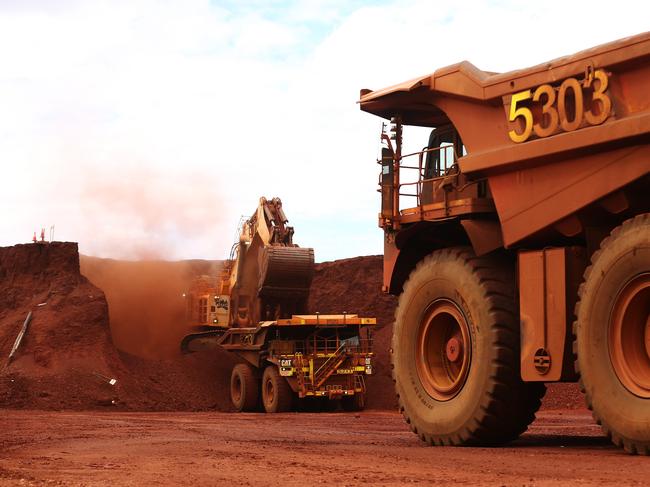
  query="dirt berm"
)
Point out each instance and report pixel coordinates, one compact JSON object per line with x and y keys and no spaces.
{"x":71,"y":351}
{"x":67,"y":357}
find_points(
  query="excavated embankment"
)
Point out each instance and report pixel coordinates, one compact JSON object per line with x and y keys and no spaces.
{"x":67,"y":356}
{"x":354,"y":286}
{"x":67,"y":348}
{"x":71,"y":351}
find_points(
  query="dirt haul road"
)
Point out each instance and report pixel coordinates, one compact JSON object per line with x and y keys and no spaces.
{"x":370,"y":448}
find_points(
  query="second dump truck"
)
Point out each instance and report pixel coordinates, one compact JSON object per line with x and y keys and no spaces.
{"x":518,"y":242}
{"x":256,"y":308}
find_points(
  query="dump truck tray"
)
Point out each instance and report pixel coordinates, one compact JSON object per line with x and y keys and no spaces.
{"x":254,"y":338}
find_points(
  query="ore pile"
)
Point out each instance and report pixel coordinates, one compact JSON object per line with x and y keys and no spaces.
{"x":66,"y":351}
{"x":67,"y":359}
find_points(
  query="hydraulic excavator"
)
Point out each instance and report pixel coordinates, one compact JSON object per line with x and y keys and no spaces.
{"x":266,"y":277}
{"x":256,"y":307}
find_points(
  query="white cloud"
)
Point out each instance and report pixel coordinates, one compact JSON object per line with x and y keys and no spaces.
{"x":231,"y":101}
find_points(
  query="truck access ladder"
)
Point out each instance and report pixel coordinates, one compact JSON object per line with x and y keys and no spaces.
{"x":329,"y":366}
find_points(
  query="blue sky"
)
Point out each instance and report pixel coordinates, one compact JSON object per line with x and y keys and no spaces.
{"x":145,"y":129}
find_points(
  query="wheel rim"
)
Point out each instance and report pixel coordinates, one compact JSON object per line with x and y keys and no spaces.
{"x":443,"y":350}
{"x":629,"y":335}
{"x":269,"y":391}
{"x":236,"y":389}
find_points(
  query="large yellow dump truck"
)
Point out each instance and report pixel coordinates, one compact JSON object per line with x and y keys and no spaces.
{"x":518,"y":240}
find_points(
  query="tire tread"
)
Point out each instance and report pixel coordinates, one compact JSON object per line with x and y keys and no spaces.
{"x":630,"y":446}
{"x":250,"y":386}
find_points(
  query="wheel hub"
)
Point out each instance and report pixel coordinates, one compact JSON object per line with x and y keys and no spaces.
{"x":629,"y":335}
{"x":454,"y":349}
{"x":443,"y":350}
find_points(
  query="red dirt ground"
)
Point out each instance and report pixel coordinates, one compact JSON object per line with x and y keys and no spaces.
{"x":371,"y":448}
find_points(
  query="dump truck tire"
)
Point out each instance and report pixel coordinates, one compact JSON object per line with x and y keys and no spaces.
{"x":455,"y":352}
{"x":612,"y":334}
{"x":277,"y":396}
{"x":354,"y":403}
{"x":244,"y":388}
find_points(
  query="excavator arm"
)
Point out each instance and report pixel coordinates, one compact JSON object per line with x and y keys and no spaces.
{"x":270,"y":223}
{"x":271,"y":275}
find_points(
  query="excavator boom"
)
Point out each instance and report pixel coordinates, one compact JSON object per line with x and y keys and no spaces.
{"x":266,"y":278}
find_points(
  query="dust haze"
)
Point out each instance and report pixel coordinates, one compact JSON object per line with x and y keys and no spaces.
{"x":147,"y":219}
{"x":148,"y":213}
{"x":146,"y":306}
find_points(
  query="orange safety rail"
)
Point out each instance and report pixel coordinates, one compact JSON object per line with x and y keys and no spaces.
{"x":318,"y":319}
{"x":330,"y":346}
{"x":447,"y":158}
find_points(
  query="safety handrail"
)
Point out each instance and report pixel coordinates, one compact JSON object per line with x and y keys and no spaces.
{"x":445,"y":164}
{"x":328,"y":346}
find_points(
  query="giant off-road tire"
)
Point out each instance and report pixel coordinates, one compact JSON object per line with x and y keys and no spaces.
{"x":244,"y":388}
{"x":277,"y":395}
{"x":613,"y":335}
{"x":455,"y":352}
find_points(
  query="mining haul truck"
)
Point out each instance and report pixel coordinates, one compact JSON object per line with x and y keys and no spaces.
{"x":518,"y":241}
{"x":256,"y":308}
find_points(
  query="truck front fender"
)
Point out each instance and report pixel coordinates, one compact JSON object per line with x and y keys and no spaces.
{"x":404,"y":249}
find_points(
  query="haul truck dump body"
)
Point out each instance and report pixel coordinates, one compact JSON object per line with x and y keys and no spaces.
{"x":518,"y":240}
{"x":255,"y":307}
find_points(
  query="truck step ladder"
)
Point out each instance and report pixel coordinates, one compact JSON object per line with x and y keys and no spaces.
{"x":329,"y":366}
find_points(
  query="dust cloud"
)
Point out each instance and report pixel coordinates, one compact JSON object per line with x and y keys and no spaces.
{"x":145,"y":301}
{"x":147,"y":218}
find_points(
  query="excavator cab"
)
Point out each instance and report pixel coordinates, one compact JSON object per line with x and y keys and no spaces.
{"x":206,"y":308}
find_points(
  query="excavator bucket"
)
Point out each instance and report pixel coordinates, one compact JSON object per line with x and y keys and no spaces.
{"x":286,"y":272}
